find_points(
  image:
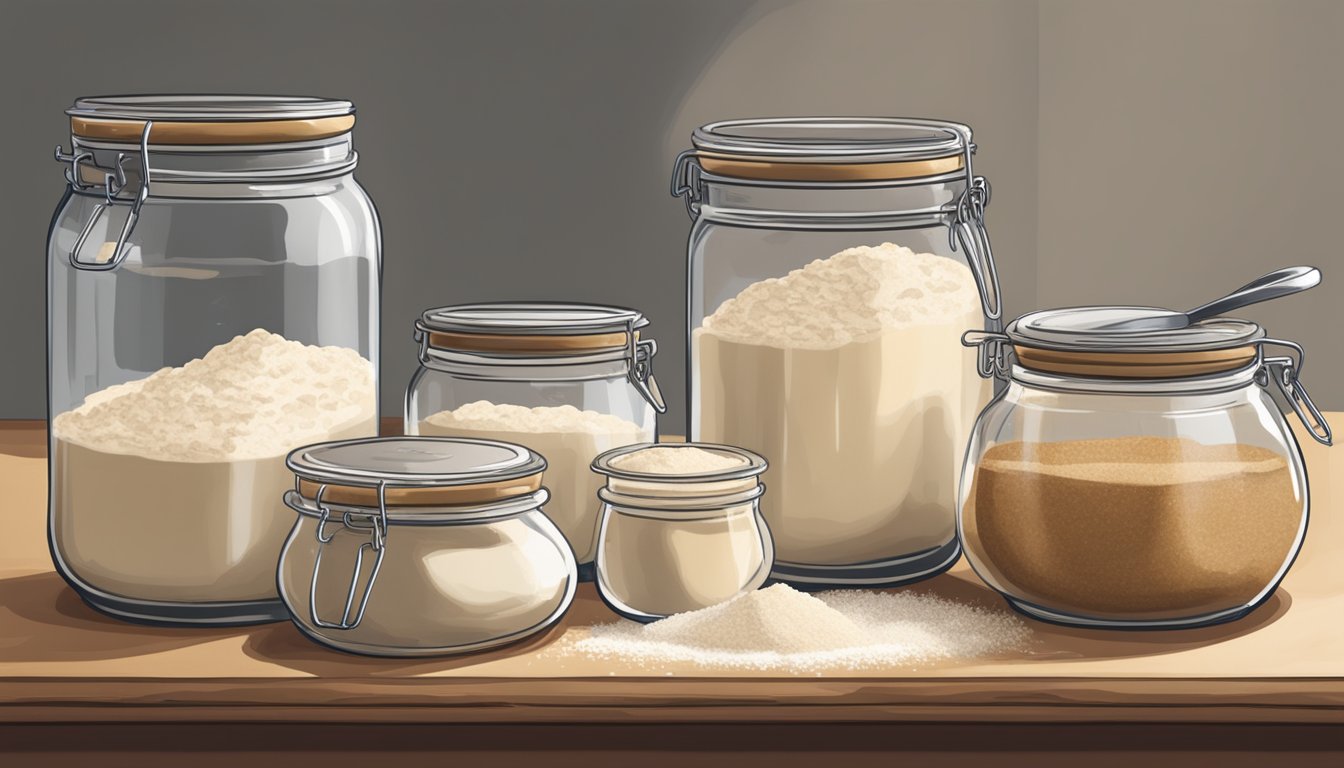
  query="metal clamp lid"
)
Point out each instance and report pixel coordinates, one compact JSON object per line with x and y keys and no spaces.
{"x":1284,"y":372}
{"x":377,"y":526}
{"x":521,"y":333}
{"x":114,"y":182}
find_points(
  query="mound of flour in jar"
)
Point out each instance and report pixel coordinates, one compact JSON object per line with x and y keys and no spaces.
{"x":567,"y":437}
{"x":676,"y":460}
{"x":849,"y":376}
{"x":781,"y":629}
{"x":169,"y":488}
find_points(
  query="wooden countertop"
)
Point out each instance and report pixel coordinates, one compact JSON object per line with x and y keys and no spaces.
{"x":62,"y":662}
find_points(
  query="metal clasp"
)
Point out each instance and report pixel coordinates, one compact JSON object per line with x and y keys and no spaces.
{"x":376,"y":524}
{"x":686,"y":176}
{"x":1284,"y":372}
{"x":114,"y":182}
{"x":968,"y":230}
{"x":640,"y":354}
{"x":992,"y":361}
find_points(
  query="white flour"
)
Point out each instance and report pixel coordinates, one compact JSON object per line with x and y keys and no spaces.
{"x":676,"y":460}
{"x":169,"y":488}
{"x":780,"y":629}
{"x":567,"y":437}
{"x":849,"y":376}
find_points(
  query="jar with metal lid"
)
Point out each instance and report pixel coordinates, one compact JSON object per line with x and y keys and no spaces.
{"x":681,"y":528}
{"x":833,"y":265}
{"x":1136,"y":478}
{"x":567,"y":380}
{"x":422,"y":546}
{"x":213,"y":291}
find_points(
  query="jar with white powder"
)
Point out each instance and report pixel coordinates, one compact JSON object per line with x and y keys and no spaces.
{"x":422,"y":546}
{"x":681,"y":528}
{"x":213,"y":278}
{"x":834,"y":264}
{"x":567,"y":380}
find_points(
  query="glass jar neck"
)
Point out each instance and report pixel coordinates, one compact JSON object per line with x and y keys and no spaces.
{"x":194,"y":171}
{"x":1240,"y":378}
{"x":549,"y":368}
{"x":681,"y":501}
{"x":839,"y":205}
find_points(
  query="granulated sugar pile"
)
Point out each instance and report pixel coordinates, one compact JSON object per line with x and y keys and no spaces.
{"x":779,"y":628}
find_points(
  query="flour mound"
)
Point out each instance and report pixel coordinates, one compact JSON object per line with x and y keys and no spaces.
{"x":257,"y":396}
{"x":848,"y":297}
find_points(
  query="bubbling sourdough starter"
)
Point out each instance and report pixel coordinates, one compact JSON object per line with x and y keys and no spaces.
{"x":169,"y":488}
{"x":849,"y":377}
{"x":568,"y":438}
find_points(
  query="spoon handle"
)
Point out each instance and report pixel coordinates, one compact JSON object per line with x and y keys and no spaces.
{"x":1280,"y":282}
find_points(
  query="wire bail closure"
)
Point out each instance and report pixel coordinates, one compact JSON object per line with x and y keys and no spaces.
{"x":640,"y":354}
{"x":114,"y":182}
{"x":1284,"y":371}
{"x":376,"y":524}
{"x":993,"y":349}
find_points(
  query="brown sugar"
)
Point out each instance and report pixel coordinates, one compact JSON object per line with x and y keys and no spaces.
{"x":1134,"y":527}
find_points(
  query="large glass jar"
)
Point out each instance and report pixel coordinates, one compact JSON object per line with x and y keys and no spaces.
{"x":1141,"y":478}
{"x":567,"y":380}
{"x":213,"y":284}
{"x":833,"y":265}
{"x":422,"y":546}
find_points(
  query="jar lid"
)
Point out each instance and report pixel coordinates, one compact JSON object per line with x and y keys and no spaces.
{"x":416,"y":471}
{"x":210,"y":120}
{"x":1095,"y":341}
{"x":522,"y":327}
{"x":734,"y":482}
{"x":831,"y":148}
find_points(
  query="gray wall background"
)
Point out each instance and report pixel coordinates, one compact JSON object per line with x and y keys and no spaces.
{"x":1146,"y":152}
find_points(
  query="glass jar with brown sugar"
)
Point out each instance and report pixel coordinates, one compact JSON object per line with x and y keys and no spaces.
{"x":1135,"y":478}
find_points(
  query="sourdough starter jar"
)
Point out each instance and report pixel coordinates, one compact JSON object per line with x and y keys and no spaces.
{"x":834,"y":265}
{"x":213,"y":278}
{"x":422,"y":546}
{"x":681,"y":528}
{"x":1135,"y":478}
{"x":567,"y":380}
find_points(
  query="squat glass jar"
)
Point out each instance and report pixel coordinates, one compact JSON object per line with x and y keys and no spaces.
{"x":213,"y":286}
{"x":1135,"y":479}
{"x":567,"y":380}
{"x":422,"y":546}
{"x":833,"y":265}
{"x":683,"y":537}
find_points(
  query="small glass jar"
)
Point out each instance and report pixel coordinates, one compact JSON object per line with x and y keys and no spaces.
{"x":671,"y":543}
{"x":213,"y":288}
{"x":842,"y":367}
{"x":422,"y":546}
{"x":1135,"y":478}
{"x":567,"y":380}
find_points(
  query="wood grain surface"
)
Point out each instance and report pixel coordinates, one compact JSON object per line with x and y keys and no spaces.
{"x":61,"y":662}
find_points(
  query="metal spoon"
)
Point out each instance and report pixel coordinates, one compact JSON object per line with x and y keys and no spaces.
{"x":1281,"y":282}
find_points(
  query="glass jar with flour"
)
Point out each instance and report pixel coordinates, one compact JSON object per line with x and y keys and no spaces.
{"x":681,"y":528}
{"x":834,"y":264}
{"x":213,"y":279}
{"x":567,"y":380}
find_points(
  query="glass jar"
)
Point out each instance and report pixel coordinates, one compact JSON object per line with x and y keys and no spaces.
{"x":842,"y":367}
{"x":567,"y":380}
{"x":422,"y":546}
{"x":229,"y":231}
{"x":684,"y":532}
{"x":1135,"y":478}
